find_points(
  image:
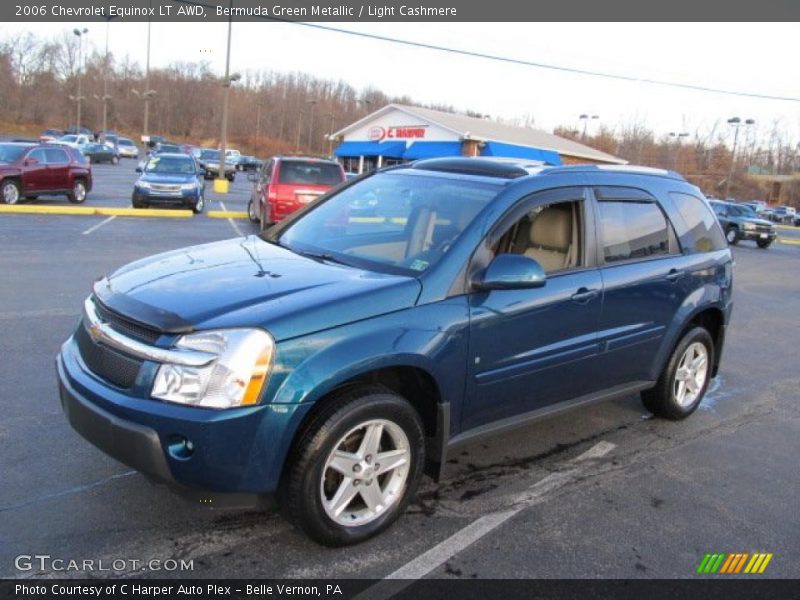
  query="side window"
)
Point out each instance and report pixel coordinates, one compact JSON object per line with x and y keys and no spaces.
{"x":552,"y":234}
{"x":56,"y":156}
{"x":632,"y":230}
{"x":38,"y":155}
{"x":704,"y":230}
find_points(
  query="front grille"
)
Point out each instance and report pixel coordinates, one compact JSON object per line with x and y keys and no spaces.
{"x":764,"y":228}
{"x":126,"y":326}
{"x":165,"y":189}
{"x":109,"y":364}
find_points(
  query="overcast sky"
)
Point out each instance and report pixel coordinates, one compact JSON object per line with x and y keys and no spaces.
{"x":752,"y":57}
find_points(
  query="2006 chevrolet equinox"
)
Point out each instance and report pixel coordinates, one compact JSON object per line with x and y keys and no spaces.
{"x":332,"y":361}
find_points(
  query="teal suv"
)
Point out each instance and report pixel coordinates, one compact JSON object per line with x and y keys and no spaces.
{"x":740,"y":222}
{"x":336,"y":358}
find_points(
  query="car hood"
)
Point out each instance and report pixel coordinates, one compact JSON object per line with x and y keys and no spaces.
{"x":756,"y":221}
{"x":247,"y":282}
{"x":168,"y":177}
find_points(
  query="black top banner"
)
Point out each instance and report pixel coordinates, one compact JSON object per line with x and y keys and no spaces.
{"x":397,"y":10}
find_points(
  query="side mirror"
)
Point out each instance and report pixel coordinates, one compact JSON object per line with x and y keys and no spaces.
{"x":138,"y":169}
{"x":511,"y":272}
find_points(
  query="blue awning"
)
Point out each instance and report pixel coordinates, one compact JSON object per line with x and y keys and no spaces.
{"x":369,"y":149}
{"x":512,"y":151}
{"x":432,"y":150}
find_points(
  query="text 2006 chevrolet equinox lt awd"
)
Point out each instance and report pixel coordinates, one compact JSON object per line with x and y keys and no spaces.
{"x":334,"y":360}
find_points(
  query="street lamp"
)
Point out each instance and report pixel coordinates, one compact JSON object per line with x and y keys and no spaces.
{"x":258,"y":127}
{"x":330,"y":136}
{"x":226,"y":83}
{"x":79,"y":97}
{"x":312,"y":104}
{"x":677,"y":136}
{"x":299,"y":125}
{"x":585,"y":118}
{"x":106,"y":97}
{"x":736,"y":122}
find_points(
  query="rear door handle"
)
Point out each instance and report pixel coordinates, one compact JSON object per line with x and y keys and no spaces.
{"x":674,"y":275}
{"x":584,"y":295}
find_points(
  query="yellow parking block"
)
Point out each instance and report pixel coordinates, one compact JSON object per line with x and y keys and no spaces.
{"x":105,"y":211}
{"x":788,"y":241}
{"x":790,"y":227}
{"x":227,"y":214}
{"x":27,"y":209}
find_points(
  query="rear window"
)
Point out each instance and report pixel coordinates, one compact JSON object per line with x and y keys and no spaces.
{"x":704,"y":229}
{"x":310,"y":173}
{"x":633,"y":230}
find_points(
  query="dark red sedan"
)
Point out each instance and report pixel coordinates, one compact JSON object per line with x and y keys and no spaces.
{"x":31,"y":170}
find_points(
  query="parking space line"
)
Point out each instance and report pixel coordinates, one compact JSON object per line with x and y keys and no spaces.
{"x":98,"y":225}
{"x":226,"y":214}
{"x":231,"y":221}
{"x":435,"y":557}
{"x":788,"y":241}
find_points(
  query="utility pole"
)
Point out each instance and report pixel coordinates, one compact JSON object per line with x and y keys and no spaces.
{"x":258,"y":127}
{"x":226,"y":92}
{"x":299,"y":124}
{"x":79,"y":98}
{"x":106,"y":97}
{"x":330,"y":135}
{"x":147,"y":91}
{"x":313,"y":103}
{"x":677,"y":137}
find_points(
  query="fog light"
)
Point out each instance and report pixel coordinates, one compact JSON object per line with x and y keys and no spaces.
{"x":180,"y":448}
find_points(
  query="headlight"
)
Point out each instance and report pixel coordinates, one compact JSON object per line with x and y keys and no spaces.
{"x":189,"y":186}
{"x":235,"y":378}
{"x":749,"y":226}
{"x":145,"y":185}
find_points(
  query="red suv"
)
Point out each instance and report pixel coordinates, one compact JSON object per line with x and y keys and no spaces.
{"x":287,"y":183}
{"x":28,"y":170}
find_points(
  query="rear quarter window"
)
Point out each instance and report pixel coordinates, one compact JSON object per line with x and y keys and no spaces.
{"x":703,"y":228}
{"x":633,"y":230}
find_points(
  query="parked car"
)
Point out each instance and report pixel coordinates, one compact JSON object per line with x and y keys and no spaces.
{"x":740,"y":222}
{"x":127,"y":148}
{"x":287,"y":183}
{"x":209,"y":160}
{"x":76,"y":141}
{"x":168,"y":148}
{"x":100,"y":153}
{"x":28,"y":171}
{"x":783,"y":214}
{"x":249,"y":163}
{"x":79,"y":131}
{"x":170,"y":179}
{"x":332,"y":362}
{"x":49,"y":135}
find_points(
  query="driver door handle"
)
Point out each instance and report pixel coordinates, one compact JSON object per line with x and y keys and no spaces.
{"x":584,"y":295}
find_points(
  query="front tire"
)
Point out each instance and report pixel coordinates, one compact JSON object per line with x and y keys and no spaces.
{"x":231,"y":177}
{"x":764,"y":244}
{"x":355,"y":468}
{"x":10,"y":192}
{"x":199,"y":205}
{"x":684,"y":380}
{"x":251,"y":212}
{"x":732,"y":235}
{"x":78,"y":193}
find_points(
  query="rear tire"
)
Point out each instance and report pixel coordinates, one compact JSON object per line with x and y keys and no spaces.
{"x":685,"y":378}
{"x":334,"y":487}
{"x":732,"y":235}
{"x":78,"y":193}
{"x":230,"y":177}
{"x":251,"y":212}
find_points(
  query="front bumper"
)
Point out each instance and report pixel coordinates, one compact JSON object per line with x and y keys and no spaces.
{"x":183,"y":198}
{"x":237,"y":452}
{"x":755,"y":236}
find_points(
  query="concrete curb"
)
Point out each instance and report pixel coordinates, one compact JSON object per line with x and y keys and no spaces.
{"x":104,"y":211}
{"x":227,"y":214}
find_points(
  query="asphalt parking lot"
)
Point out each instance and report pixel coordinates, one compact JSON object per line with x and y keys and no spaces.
{"x":605,"y":491}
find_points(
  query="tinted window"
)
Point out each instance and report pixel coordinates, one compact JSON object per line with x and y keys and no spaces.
{"x":310,"y":173}
{"x":56,"y":156}
{"x":38,"y":155}
{"x":633,"y":230}
{"x":703,"y":227}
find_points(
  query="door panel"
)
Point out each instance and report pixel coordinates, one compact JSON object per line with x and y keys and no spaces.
{"x":35,"y":177}
{"x":58,"y":166}
{"x":532,"y":348}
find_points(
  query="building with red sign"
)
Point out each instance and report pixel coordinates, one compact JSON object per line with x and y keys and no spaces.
{"x":398,"y":133}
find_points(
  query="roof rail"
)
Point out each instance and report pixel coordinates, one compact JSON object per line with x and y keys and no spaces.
{"x":631,"y":169}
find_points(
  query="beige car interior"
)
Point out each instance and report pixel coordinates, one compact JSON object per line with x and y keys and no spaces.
{"x":550,"y":235}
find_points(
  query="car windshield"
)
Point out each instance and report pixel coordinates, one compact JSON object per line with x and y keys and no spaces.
{"x":170,"y":164}
{"x":740,"y":211}
{"x":397,"y":222}
{"x":124,"y":142}
{"x":310,"y":173}
{"x":168,"y":148}
{"x":210,"y":154}
{"x":11,"y":152}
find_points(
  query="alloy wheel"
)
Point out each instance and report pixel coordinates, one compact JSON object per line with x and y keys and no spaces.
{"x":10,"y":193}
{"x":365,"y":473}
{"x":690,"y":376}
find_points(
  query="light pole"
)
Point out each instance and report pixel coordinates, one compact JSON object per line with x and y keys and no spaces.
{"x":258,"y":127}
{"x":312,"y":104}
{"x":148,"y":93}
{"x":299,"y":125}
{"x":736,"y":122}
{"x":585,"y":118}
{"x":330,"y":135}
{"x":106,"y":97}
{"x":79,"y":98}
{"x":229,"y":79}
{"x":677,"y":136}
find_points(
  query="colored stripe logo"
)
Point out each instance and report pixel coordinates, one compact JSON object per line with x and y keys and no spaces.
{"x":734,"y":563}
